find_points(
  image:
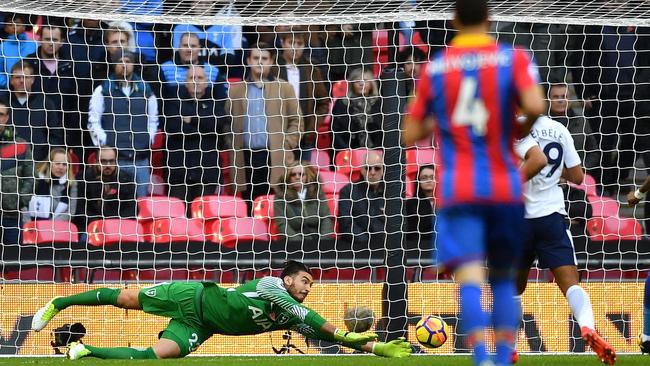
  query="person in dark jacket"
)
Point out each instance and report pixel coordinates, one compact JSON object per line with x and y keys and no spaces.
{"x":420,"y":211}
{"x":123,"y":113}
{"x":16,"y":179}
{"x":357,"y":118}
{"x":361,"y":206}
{"x":34,"y":117}
{"x":62,"y":80}
{"x":104,"y":191}
{"x":195,"y":128}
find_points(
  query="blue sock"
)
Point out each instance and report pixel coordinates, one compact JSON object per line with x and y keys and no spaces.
{"x":646,"y":306}
{"x":474,"y":318}
{"x":505,"y":318}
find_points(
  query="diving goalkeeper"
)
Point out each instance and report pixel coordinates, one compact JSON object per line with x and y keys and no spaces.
{"x":200,"y":309}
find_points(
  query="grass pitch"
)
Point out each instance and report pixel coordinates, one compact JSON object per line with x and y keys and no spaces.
{"x":524,"y":360}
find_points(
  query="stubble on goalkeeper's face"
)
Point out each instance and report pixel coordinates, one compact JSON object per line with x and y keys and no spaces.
{"x":299,"y":285}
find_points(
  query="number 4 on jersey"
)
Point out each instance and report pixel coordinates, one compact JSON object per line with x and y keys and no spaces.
{"x":470,"y":110}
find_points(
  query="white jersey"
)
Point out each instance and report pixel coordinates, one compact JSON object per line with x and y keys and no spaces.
{"x":543,"y":195}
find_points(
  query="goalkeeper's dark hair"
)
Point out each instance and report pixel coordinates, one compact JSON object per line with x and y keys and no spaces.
{"x":292,"y":267}
{"x":471,"y":12}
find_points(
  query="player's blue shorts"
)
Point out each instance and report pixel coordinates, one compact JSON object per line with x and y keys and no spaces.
{"x":473,"y":232}
{"x":549,"y":241}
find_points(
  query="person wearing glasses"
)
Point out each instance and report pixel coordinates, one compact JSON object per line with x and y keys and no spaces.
{"x":105,"y":191}
{"x":420,"y":211}
{"x":300,"y":207}
{"x":361,"y":206}
{"x":55,"y":189}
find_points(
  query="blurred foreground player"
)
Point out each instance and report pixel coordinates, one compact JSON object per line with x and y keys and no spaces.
{"x":471,"y":91}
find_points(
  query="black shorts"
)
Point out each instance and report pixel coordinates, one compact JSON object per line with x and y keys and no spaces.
{"x":548,"y":240}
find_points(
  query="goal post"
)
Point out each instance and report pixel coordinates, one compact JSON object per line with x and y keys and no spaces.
{"x":200,"y":220}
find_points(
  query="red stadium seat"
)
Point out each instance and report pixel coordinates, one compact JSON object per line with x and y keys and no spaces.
{"x":588,"y":185}
{"x":614,"y":228}
{"x":603,"y":206}
{"x":215,"y":207}
{"x":49,"y":232}
{"x":416,"y":158}
{"x":332,"y":182}
{"x":232,"y":230}
{"x":114,"y":231}
{"x":320,"y":159}
{"x":263,"y":210}
{"x":160,"y":207}
{"x":350,"y":162}
{"x":177,"y":230}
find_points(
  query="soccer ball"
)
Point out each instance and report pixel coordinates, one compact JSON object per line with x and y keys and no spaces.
{"x":431,"y":331}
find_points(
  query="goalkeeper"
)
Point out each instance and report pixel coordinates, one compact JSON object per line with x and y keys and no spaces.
{"x":200,"y":309}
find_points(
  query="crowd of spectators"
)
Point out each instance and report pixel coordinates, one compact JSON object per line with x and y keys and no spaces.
{"x":82,"y":103}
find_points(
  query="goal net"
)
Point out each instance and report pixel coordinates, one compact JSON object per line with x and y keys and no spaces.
{"x":144,"y":141}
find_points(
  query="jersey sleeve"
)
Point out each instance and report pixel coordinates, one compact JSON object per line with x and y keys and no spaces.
{"x":419,"y":108}
{"x":525,"y":71}
{"x":272,"y":289}
{"x":571,"y":156}
{"x":523,"y":145}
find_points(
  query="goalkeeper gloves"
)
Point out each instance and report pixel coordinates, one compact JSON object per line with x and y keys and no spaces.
{"x":396,"y":348}
{"x":352,"y":338}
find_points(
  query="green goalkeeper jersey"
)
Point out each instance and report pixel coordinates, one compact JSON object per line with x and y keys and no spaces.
{"x":259,"y":306}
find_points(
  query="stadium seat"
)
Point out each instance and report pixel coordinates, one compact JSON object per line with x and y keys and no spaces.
{"x":154,"y":207}
{"x":603,"y":206}
{"x":50,"y":231}
{"x":232,"y":230}
{"x":320,"y":159}
{"x":332,"y":182}
{"x":614,"y":228}
{"x":588,"y":185}
{"x":114,"y":231}
{"x":416,"y":158}
{"x":176,"y":230}
{"x":263,"y":210}
{"x":350,"y":162}
{"x":213,"y":207}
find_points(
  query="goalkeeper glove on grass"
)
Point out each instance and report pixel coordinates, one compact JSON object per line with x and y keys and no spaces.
{"x":396,"y":348}
{"x":354,"y":339}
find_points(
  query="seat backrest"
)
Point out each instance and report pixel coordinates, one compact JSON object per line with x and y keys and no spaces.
{"x":229,"y":231}
{"x":603,"y":206}
{"x":177,"y":230}
{"x":150,"y":208}
{"x":350,"y":162}
{"x":320,"y":159}
{"x":263,"y":207}
{"x":213,"y":207}
{"x":49,"y":232}
{"x":332,"y":182}
{"x":614,"y":228}
{"x":114,"y":231}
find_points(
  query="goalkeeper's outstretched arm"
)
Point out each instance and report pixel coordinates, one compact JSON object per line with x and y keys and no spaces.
{"x":315,"y":326}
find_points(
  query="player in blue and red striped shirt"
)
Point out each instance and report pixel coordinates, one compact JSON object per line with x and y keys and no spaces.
{"x":467,"y":96}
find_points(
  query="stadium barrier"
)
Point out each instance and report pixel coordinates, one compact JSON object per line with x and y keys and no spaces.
{"x":547,"y":326}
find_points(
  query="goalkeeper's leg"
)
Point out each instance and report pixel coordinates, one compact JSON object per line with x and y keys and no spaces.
{"x":122,"y":298}
{"x":164,"y":348}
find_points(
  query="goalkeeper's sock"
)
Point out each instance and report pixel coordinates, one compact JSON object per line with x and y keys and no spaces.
{"x":646,"y":307}
{"x":474,"y":318}
{"x":123,"y":353}
{"x":505,"y":318}
{"x":581,"y":306}
{"x":100,"y":296}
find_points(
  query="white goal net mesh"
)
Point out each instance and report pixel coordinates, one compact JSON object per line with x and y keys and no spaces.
{"x":144,"y":141}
